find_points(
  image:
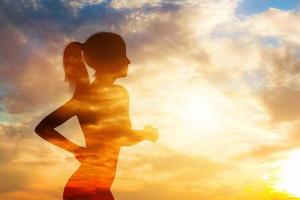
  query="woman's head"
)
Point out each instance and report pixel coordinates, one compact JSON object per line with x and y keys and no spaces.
{"x":105,"y":52}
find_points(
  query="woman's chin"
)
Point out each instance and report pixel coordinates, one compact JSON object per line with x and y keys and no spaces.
{"x":123,"y":75}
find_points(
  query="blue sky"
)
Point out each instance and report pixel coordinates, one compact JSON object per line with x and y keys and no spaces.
{"x":250,"y":7}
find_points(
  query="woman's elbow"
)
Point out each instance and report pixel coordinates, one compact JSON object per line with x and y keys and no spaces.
{"x":41,"y":129}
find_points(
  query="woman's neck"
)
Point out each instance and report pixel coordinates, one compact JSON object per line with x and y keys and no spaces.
{"x":103,"y":79}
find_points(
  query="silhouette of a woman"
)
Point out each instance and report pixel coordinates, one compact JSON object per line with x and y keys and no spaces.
{"x":102,"y":110}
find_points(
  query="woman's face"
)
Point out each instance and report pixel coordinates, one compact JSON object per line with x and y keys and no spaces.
{"x":117,"y":66}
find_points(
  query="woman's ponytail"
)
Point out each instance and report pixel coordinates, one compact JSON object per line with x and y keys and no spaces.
{"x":75,"y":70}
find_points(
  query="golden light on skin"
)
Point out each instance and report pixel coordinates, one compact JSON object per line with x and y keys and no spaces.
{"x":289,"y":175}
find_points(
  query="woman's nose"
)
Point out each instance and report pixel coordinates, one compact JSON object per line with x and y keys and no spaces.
{"x":128,"y":61}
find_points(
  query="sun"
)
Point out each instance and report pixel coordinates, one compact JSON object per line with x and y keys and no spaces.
{"x":197,"y":112}
{"x":289,"y":175}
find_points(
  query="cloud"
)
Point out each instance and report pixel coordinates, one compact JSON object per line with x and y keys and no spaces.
{"x":133,"y":4}
{"x":26,"y":162}
{"x":36,"y":58}
{"x":23,"y":72}
{"x":282,"y":103}
{"x":288,"y":142}
{"x":273,"y":22}
{"x":81,"y":3}
{"x":182,"y":52}
{"x":152,"y":173}
{"x":13,"y":179}
{"x":281,"y":90}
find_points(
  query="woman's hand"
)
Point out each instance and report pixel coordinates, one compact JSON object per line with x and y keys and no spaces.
{"x":81,"y":154}
{"x":150,"y":133}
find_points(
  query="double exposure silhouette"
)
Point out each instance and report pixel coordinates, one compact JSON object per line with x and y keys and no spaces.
{"x":102,"y":110}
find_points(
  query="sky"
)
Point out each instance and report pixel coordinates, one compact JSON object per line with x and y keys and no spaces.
{"x":218,"y":78}
{"x":251,"y":7}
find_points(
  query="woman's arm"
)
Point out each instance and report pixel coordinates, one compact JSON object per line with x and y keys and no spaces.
{"x":135,"y":136}
{"x":131,"y":137}
{"x":46,"y":128}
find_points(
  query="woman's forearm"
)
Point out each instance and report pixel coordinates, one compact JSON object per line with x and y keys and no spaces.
{"x":132,"y":137}
{"x":135,"y":136}
{"x":51,"y":135}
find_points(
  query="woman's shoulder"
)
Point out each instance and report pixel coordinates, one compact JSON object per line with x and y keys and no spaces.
{"x":120,"y":87}
{"x":121,"y":90}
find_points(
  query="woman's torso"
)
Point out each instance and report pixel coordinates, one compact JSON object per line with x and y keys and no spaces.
{"x":103,"y":115}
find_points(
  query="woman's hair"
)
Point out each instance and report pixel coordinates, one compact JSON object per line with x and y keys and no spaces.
{"x":75,"y":70}
{"x":103,"y":46}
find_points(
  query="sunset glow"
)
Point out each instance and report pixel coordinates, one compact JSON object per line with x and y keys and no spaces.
{"x":289,"y":175}
{"x":219,"y":79}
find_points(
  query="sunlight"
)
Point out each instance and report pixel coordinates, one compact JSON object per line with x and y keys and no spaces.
{"x":197,"y":112}
{"x":265,"y":177}
{"x":289,"y":175}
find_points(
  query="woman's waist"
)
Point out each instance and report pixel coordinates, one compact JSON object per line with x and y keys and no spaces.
{"x":96,"y":147}
{"x":99,"y":154}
